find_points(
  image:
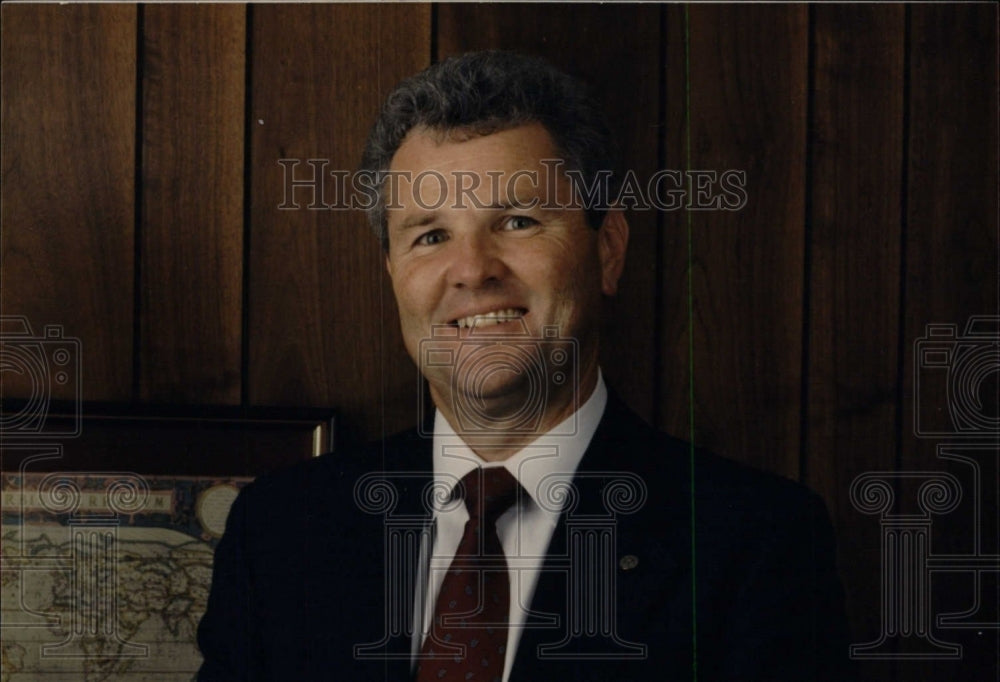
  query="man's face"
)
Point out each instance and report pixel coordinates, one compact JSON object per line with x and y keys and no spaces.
{"x":513,"y":252}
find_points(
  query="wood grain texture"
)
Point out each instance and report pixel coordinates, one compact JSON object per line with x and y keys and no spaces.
{"x":324,"y":330}
{"x":952,"y":275}
{"x":673,"y":411}
{"x":855,"y":220}
{"x":870,"y":215}
{"x":67,"y":197}
{"x":192,"y":203}
{"x":748,"y":113}
{"x":615,"y":50}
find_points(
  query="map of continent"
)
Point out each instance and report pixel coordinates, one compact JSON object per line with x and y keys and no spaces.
{"x":96,"y":594}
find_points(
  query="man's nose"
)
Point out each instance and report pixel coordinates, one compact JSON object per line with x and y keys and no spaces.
{"x":476,"y":261}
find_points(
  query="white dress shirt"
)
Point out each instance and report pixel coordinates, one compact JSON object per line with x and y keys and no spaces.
{"x":525,"y":529}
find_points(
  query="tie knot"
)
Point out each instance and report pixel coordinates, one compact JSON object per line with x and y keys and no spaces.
{"x":488,"y":492}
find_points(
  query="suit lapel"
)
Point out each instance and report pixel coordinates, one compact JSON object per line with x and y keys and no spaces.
{"x":621,"y":457}
{"x":623,"y":453}
{"x":552,"y":592}
{"x":405,"y":475}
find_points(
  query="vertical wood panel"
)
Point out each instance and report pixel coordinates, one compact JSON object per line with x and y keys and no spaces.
{"x":748,"y":112}
{"x":674,"y":407}
{"x":616,"y":50}
{"x":324,"y":330}
{"x":854,"y":242}
{"x":192,"y":194}
{"x":951,"y":275}
{"x":68,"y":156}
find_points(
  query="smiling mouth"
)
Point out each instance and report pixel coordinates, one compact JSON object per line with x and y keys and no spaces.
{"x":493,"y":317}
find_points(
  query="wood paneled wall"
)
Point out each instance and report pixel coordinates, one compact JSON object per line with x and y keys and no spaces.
{"x":141,"y":193}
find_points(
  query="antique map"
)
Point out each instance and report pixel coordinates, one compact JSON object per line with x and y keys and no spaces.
{"x":105,"y":576}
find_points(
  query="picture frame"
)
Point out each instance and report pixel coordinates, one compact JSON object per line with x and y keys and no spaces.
{"x":108,"y":537}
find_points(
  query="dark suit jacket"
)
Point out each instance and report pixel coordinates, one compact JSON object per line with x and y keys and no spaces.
{"x":734,"y":576}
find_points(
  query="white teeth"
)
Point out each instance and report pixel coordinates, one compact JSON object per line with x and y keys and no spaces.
{"x":490,"y":318}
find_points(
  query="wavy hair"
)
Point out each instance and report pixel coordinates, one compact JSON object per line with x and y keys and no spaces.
{"x":479,"y":93}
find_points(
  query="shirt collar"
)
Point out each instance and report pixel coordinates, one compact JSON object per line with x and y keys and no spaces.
{"x":550,"y":459}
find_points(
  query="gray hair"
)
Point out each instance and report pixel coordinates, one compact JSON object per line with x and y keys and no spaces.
{"x":480,"y":93}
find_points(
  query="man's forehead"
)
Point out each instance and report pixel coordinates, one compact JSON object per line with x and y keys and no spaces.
{"x":465,"y":149}
{"x":435,"y":174}
{"x":427,"y":197}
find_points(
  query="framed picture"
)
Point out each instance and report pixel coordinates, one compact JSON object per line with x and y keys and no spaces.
{"x":108,"y":536}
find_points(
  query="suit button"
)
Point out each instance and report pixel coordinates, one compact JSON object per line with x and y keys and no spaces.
{"x":628,"y":562}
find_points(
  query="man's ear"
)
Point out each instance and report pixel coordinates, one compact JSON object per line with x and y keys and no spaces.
{"x":388,"y":265}
{"x":612,"y":242}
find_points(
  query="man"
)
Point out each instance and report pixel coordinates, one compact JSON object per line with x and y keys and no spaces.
{"x":533,"y":528}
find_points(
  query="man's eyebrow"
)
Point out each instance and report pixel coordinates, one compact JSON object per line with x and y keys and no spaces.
{"x":419,"y":220}
{"x":528,"y":200}
{"x":525,"y":198}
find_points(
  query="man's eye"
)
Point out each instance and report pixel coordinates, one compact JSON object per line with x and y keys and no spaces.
{"x":519,"y":222}
{"x":431,"y":238}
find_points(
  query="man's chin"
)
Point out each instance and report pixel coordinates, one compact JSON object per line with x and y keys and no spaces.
{"x":497,"y":402}
{"x":501,"y":392}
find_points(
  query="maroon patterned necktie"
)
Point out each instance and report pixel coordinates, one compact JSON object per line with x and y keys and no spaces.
{"x":468,"y":637}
